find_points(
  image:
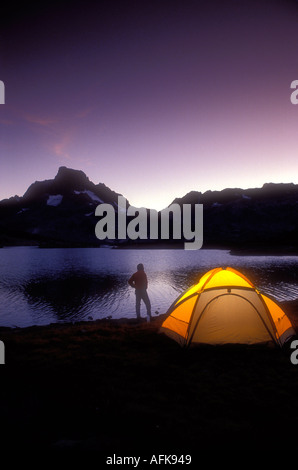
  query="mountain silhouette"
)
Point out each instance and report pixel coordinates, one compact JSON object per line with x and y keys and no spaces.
{"x":61,"y":212}
{"x":65,"y":183}
{"x":55,"y":212}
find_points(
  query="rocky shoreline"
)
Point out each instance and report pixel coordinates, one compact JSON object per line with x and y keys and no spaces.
{"x":119,"y":386}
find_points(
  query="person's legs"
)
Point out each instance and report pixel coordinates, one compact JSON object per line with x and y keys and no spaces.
{"x":138,"y":303}
{"x":146,"y":301}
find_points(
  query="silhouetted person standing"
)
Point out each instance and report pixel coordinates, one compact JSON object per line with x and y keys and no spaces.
{"x":140,"y":283}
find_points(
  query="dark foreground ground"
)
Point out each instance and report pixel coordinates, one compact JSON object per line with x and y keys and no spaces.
{"x":120,"y":387}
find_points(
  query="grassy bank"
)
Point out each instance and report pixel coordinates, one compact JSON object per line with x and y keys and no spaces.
{"x":120,"y":386}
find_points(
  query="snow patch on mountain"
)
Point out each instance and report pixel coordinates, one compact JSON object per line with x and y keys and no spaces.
{"x":25,"y":209}
{"x":91,"y":194}
{"x":54,"y":200}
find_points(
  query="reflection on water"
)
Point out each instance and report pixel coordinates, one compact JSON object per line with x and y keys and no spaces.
{"x":40,"y":286}
{"x":74,"y":296}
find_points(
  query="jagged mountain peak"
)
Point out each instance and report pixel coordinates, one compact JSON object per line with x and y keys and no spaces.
{"x":66,"y":181}
{"x":68,"y":177}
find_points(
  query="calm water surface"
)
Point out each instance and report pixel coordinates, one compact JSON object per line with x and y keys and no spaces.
{"x":42,"y":286}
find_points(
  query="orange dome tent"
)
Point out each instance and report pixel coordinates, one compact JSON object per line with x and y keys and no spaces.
{"x":225,"y":307}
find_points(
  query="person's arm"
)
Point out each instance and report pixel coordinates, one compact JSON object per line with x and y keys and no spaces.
{"x":131,"y":281}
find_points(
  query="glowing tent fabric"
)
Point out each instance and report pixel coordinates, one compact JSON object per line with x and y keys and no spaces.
{"x":225,"y":307}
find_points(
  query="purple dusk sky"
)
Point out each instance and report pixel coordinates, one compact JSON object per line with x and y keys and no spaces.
{"x":152,"y":98}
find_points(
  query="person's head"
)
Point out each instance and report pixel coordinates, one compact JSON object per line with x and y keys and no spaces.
{"x":140,"y":267}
